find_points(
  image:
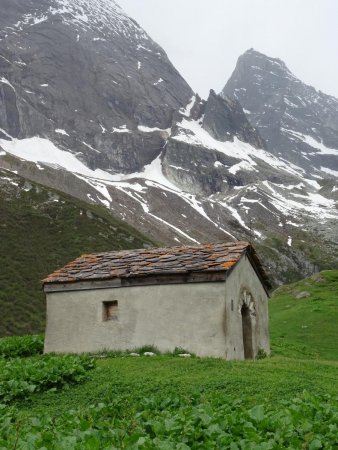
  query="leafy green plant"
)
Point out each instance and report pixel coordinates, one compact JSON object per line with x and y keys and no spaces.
{"x":19,"y":378}
{"x":307,"y":422}
{"x":15,"y":346}
{"x":261,"y":354}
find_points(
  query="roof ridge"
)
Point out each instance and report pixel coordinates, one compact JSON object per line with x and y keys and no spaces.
{"x":184,"y":246}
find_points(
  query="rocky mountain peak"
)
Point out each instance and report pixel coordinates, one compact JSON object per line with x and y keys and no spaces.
{"x":297,"y":122}
{"x":254,"y":74}
{"x":254,"y":60}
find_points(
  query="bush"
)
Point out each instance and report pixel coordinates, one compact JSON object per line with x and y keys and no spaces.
{"x":19,"y":378}
{"x":261,"y":354}
{"x":15,"y":346}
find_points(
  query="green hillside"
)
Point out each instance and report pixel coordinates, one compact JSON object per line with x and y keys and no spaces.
{"x":306,"y":327}
{"x":41,"y":230}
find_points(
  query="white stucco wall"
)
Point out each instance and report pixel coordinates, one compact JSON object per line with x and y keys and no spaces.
{"x":168,"y":316}
{"x":195,"y":316}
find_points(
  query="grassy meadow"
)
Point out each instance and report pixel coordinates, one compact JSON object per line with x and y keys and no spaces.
{"x":116,"y":401}
{"x":306,"y":327}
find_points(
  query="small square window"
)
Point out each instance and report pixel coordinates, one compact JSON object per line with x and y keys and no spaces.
{"x":110,"y":310}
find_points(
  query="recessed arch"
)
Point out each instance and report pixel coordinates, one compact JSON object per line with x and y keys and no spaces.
{"x":247,"y":310}
{"x":247,"y":332}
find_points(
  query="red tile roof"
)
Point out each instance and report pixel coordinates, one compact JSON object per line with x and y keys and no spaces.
{"x":156,"y":261}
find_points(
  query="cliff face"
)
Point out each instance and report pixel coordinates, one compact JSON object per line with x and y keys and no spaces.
{"x":224,"y":119}
{"x":88,"y":78}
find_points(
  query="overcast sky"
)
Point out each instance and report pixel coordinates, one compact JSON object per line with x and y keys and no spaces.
{"x":203,"y":38}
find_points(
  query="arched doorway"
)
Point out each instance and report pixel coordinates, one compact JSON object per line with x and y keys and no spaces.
{"x":248,"y":315}
{"x":247,"y":332}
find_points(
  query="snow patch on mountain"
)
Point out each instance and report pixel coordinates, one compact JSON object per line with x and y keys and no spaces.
{"x":42,"y":150}
{"x":191,"y":132}
{"x":333,"y":173}
{"x":243,"y":165}
{"x":313,"y":143}
{"x":99,"y":16}
{"x":314,"y":204}
{"x":103,"y":17}
{"x":121,"y":129}
{"x":187,"y":110}
{"x":145,"y":129}
{"x":5,"y":81}
{"x":146,"y":210}
{"x":60,"y":131}
{"x":39,"y":150}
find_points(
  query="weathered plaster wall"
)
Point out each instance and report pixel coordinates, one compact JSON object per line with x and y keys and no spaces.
{"x":181,"y":315}
{"x":195,"y":316}
{"x":243,"y":278}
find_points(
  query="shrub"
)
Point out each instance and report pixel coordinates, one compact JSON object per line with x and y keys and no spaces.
{"x":15,"y":346}
{"x":19,"y":378}
{"x":261,"y":354}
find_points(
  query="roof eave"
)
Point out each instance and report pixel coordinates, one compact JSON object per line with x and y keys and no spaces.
{"x":141,"y":280}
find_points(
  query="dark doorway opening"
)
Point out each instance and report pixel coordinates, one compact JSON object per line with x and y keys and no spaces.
{"x":247,"y":332}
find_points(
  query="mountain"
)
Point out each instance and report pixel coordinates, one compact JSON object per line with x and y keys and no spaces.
{"x":92,"y":107}
{"x":297,"y":122}
{"x":42,"y":229}
{"x":85,"y":76}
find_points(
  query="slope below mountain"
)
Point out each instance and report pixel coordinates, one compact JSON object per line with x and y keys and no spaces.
{"x":297,"y":122}
{"x":42,"y":229}
{"x":280,"y":208}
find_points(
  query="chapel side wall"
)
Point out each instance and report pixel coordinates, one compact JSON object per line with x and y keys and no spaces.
{"x":189,"y":315}
{"x":242,"y":277}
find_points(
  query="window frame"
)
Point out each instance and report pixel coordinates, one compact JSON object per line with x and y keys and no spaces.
{"x":110,"y":311}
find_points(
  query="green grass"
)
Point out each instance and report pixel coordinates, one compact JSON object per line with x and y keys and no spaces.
{"x":166,"y":402}
{"x":40,"y":231}
{"x":133,"y":379}
{"x":306,"y":327}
